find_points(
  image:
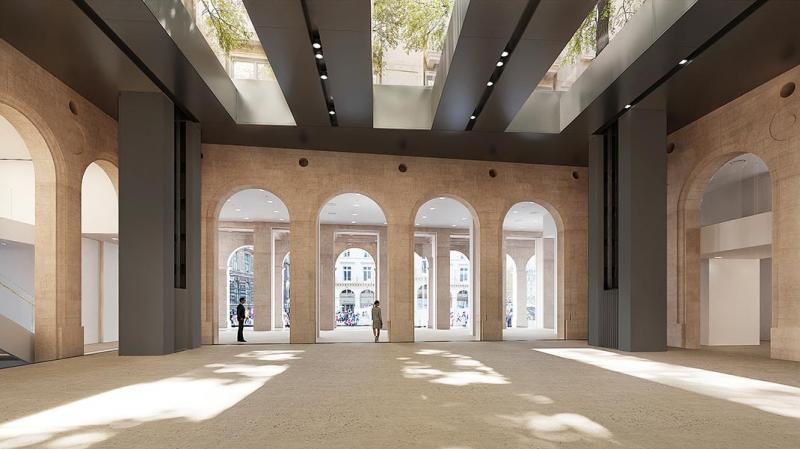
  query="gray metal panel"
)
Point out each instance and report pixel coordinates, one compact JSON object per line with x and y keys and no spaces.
{"x":487,"y":27}
{"x":146,"y":220}
{"x":193,"y":251}
{"x":551,"y":27}
{"x":643,"y":230}
{"x":345,"y":28}
{"x":281,"y":27}
{"x":595,"y":244}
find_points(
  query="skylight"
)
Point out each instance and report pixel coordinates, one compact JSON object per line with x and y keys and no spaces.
{"x":229,"y":32}
{"x":407,"y":37}
{"x":608,"y":16}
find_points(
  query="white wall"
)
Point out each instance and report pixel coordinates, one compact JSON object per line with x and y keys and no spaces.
{"x":99,"y":210}
{"x":16,"y":273}
{"x":99,"y":279}
{"x":17,"y":191}
{"x":110,"y":292}
{"x":90,"y":290}
{"x":750,"y":196}
{"x":733,"y":316}
{"x":748,"y":232}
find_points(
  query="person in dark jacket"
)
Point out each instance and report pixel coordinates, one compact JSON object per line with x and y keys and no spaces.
{"x":241,"y":316}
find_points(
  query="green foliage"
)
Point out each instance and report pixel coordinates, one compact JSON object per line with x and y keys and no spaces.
{"x":227,"y":19}
{"x":617,"y":13}
{"x":416,"y":25}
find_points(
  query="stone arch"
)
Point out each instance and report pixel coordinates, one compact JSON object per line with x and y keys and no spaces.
{"x":683,"y":327}
{"x":211,"y":278}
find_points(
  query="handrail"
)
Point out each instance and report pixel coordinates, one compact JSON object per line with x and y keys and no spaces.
{"x":16,"y":290}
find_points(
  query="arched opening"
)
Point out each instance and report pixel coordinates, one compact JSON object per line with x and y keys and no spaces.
{"x":355,"y":287}
{"x":445,"y":309}
{"x":99,"y":258}
{"x":253,"y":263}
{"x":530,"y":241}
{"x":17,"y":244}
{"x":736,"y":255}
{"x":352,"y":263}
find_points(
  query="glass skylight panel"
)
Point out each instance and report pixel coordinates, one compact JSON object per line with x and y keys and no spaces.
{"x":227,"y":28}
{"x":407,"y":37}
{"x":609,"y":17}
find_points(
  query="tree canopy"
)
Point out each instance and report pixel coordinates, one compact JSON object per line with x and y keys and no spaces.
{"x":414,"y":25}
{"x":605,"y":20}
{"x":227,"y":18}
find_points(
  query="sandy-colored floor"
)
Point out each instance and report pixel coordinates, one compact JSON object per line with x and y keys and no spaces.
{"x":546,"y":394}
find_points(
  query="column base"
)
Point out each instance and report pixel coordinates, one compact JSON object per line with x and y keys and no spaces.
{"x":785,"y":343}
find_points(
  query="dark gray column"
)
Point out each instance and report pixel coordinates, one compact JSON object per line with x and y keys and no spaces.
{"x":627,"y":268}
{"x":159,"y":291}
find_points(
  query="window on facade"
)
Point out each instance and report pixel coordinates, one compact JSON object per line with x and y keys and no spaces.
{"x":424,"y":265}
{"x":250,"y":69}
{"x":347,"y":273}
{"x":248,"y":262}
{"x":347,"y":253}
{"x":367,"y":273}
{"x":463,"y":274}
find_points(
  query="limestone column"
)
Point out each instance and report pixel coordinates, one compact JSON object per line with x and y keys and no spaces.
{"x":383,"y":276}
{"x":442,"y":274}
{"x":281,"y":248}
{"x":327,"y":279}
{"x":521,"y":300}
{"x":222,"y":298}
{"x":548,"y":283}
{"x":400,"y":237}
{"x":303,"y":244}
{"x":262,"y":277}
{"x":489,"y":282}
{"x":428,"y":255}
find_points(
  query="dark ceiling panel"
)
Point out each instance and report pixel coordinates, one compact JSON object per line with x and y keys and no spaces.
{"x":345,"y":27}
{"x":281,"y":27}
{"x":486,"y":30}
{"x":551,"y":27}
{"x":691,"y":32}
{"x":58,"y":36}
{"x":555,"y":149}
{"x":138,"y":32}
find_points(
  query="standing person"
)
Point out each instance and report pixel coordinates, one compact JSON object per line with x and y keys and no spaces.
{"x":377,"y":320}
{"x":240,"y":315}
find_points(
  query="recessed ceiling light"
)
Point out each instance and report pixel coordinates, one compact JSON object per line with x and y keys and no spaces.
{"x":504,"y":54}
{"x":464,"y":219}
{"x":269,"y":201}
{"x":442,"y":198}
{"x":355,"y":215}
{"x":416,"y":224}
{"x":246,"y":218}
{"x":627,"y":106}
{"x":683,"y":61}
{"x":515,"y":211}
{"x":275,"y":212}
{"x":432,"y":208}
{"x":332,"y":112}
{"x":489,"y":84}
{"x":499,"y":63}
{"x":717,"y":257}
{"x":318,"y":55}
{"x":316,"y":45}
{"x":353,"y":222}
{"x":472,"y":117}
{"x":238,"y":210}
{"x":112,"y":238}
{"x":424,"y":217}
{"x":283,"y":219}
{"x":355,"y":205}
{"x":324,"y":76}
{"x":453,"y":226}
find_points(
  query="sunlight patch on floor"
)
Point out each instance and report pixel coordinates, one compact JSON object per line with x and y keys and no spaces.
{"x":468,"y":370}
{"x":770,"y":397}
{"x":195,"y":396}
{"x":559,"y":428}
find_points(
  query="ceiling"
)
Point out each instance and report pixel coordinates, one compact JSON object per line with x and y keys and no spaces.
{"x":526,"y":217}
{"x":352,"y":209}
{"x":254,"y":205}
{"x":737,"y":170}
{"x":102,"y":47}
{"x":443,"y":212}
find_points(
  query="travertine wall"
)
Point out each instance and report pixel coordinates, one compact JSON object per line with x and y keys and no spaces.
{"x":64,"y":133}
{"x":304,"y":190}
{"x":764,"y":123}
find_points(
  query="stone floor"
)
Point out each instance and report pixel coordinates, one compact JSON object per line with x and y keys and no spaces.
{"x":457,"y":395}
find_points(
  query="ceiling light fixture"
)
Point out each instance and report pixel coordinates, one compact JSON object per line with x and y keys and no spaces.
{"x":424,"y":217}
{"x":316,"y":45}
{"x":275,"y":212}
{"x":627,"y":106}
{"x":453,"y":226}
{"x":323,"y":76}
{"x":432,"y":208}
{"x":238,"y":210}
{"x":318,"y":55}
{"x":503,"y":54}
{"x":473,"y":117}
{"x":684,"y":62}
{"x":489,"y":84}
{"x":112,"y":238}
{"x":332,"y":112}
{"x":246,"y":218}
{"x":499,"y":63}
{"x":442,"y":198}
{"x":352,"y":222}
